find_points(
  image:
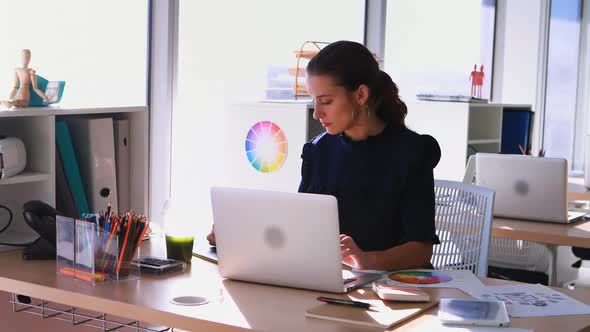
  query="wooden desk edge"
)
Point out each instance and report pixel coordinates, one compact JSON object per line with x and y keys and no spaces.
{"x":116,"y":308}
{"x":546,"y":233}
{"x":552,"y":239}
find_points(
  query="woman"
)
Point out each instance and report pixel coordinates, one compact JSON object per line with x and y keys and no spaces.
{"x":380,"y":171}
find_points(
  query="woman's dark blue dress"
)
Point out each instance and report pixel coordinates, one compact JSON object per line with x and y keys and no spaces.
{"x":384,"y":185}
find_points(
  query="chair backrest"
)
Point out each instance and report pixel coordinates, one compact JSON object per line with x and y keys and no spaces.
{"x":463,"y":223}
{"x":519,"y":254}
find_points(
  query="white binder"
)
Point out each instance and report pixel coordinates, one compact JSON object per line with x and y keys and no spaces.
{"x":94,"y":144}
{"x":122,"y":156}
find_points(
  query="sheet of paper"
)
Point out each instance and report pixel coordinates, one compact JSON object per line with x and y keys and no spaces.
{"x":528,"y":300}
{"x":461,"y":279}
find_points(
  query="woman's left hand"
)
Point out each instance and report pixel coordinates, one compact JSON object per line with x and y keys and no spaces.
{"x":352,"y":255}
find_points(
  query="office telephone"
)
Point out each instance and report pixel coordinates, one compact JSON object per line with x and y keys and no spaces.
{"x":41,"y":218}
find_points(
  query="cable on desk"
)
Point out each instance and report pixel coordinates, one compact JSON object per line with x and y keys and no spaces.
{"x":4,"y":228}
{"x":9,"y":218}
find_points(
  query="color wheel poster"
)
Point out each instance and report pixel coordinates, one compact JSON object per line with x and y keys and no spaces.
{"x":266,"y":146}
{"x":464,"y":280}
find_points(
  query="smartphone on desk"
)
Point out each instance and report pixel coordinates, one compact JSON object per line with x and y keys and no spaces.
{"x":155,"y":265}
{"x":473,"y":312}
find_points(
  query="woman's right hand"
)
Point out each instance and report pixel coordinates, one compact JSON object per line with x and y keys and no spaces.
{"x":354,"y":256}
{"x":211,"y":237}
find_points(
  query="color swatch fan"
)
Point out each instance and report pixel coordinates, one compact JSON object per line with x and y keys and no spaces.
{"x":266,"y":146}
{"x":420,"y":277}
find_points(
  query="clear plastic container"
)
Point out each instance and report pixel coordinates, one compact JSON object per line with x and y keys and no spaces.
{"x":88,"y":254}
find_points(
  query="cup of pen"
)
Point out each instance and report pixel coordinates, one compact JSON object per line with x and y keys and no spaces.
{"x":86,"y":253}
{"x":179,"y":246}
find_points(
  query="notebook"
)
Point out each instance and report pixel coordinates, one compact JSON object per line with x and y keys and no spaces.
{"x":382,"y":314}
{"x":527,"y":187}
{"x":202,"y":250}
{"x":278,"y":238}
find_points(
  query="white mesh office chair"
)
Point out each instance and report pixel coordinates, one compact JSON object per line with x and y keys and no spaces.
{"x":463,"y":221}
{"x":521,"y":254}
{"x":515,"y":254}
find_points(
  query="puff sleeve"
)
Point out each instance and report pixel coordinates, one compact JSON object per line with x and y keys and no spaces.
{"x":306,"y":167}
{"x":417,"y":206}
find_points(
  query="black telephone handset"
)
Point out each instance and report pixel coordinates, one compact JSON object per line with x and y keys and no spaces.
{"x":41,"y":218}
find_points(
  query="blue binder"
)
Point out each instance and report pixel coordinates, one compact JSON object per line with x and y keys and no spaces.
{"x":64,"y":200}
{"x":70,"y":165}
{"x":516,"y":129}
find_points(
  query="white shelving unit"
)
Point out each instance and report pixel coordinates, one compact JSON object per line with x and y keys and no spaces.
{"x":25,"y":177}
{"x":461,"y":129}
{"x":36,"y":128}
{"x":484,"y":141}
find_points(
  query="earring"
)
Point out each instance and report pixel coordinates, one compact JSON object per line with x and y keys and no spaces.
{"x":368,"y":111}
{"x":352,"y":114}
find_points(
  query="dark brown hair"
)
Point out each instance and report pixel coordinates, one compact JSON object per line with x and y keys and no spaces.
{"x":351,"y":64}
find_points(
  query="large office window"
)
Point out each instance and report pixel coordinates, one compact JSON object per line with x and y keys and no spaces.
{"x":562,"y":78}
{"x":98,"y":47}
{"x":431,"y":46}
{"x":227,"y":50}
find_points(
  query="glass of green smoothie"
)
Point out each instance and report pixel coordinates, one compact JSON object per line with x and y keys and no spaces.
{"x":179,"y":247}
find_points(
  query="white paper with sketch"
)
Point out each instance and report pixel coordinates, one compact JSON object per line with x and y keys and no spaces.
{"x":528,"y":300}
{"x":460,"y":279}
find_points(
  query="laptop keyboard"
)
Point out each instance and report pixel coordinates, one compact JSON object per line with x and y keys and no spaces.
{"x":349,"y":280}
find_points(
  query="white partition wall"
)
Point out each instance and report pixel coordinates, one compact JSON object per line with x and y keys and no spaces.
{"x":286,"y":122}
{"x":447,"y":122}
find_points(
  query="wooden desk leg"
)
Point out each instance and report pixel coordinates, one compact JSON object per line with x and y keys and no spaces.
{"x":552,"y":265}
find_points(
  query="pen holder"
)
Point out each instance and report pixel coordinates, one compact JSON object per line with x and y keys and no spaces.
{"x":87,"y":254}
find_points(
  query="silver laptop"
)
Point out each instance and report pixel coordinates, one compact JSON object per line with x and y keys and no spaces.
{"x":278,"y":238}
{"x":526,"y":187}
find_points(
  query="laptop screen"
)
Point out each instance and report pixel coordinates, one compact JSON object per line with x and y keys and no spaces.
{"x":279,"y":238}
{"x":527,"y":187}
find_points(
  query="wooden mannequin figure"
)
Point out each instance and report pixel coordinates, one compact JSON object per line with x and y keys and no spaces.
{"x":23,"y":78}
